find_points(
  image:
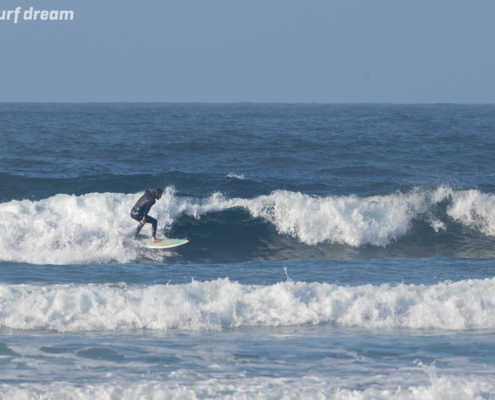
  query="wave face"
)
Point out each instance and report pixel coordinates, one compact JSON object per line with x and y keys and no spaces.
{"x":214,"y":305}
{"x":375,"y":220}
{"x":96,"y":227}
{"x":348,"y":220}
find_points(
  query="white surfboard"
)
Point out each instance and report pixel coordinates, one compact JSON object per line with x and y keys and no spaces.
{"x":163,"y":244}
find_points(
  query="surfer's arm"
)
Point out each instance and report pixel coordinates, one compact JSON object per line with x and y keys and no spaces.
{"x":148,"y":207}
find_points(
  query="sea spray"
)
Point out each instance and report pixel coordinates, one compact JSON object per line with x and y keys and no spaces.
{"x":474,"y":209}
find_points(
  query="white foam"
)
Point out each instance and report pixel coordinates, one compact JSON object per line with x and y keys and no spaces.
{"x":309,"y":387}
{"x":63,"y":229}
{"x":474,"y":209}
{"x":219,"y":304}
{"x":95,"y":228}
{"x":236,"y":176}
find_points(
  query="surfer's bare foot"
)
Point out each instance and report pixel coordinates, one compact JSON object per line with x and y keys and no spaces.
{"x":153,"y":240}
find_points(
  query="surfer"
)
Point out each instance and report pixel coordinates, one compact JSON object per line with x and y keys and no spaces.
{"x":141,"y":209}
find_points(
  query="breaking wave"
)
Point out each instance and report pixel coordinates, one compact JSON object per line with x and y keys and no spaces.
{"x":219,"y":304}
{"x":96,"y":227}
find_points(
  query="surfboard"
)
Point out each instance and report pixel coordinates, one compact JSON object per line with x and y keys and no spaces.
{"x":164,"y":244}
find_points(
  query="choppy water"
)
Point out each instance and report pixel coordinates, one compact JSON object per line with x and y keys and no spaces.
{"x":335,"y":251}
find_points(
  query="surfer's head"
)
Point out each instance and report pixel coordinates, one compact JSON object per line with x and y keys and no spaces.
{"x":157,"y":193}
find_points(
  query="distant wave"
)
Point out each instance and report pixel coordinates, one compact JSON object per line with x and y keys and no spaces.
{"x":96,"y":227}
{"x":219,"y":304}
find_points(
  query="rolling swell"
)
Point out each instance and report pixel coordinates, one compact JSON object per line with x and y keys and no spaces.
{"x":283,"y":225}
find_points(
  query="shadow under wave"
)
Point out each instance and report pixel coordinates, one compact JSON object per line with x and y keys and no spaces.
{"x":233,"y":236}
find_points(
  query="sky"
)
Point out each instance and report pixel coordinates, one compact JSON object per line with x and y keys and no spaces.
{"x":263,"y":51}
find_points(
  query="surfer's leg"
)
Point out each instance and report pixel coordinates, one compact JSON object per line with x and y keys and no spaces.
{"x":139,"y":219}
{"x":153,"y":222}
{"x":138,"y":229}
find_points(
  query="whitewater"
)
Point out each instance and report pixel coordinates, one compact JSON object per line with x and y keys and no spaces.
{"x":311,"y":387}
{"x":221,"y":304}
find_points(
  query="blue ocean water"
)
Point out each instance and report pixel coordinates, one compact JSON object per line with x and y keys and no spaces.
{"x":335,"y":251}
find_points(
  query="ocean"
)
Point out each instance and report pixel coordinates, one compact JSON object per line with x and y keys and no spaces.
{"x":335,"y":251}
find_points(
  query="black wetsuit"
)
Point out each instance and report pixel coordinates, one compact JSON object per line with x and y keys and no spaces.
{"x":141,"y":210}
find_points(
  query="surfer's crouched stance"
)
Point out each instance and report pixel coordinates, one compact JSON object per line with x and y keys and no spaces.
{"x":140,"y":211}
